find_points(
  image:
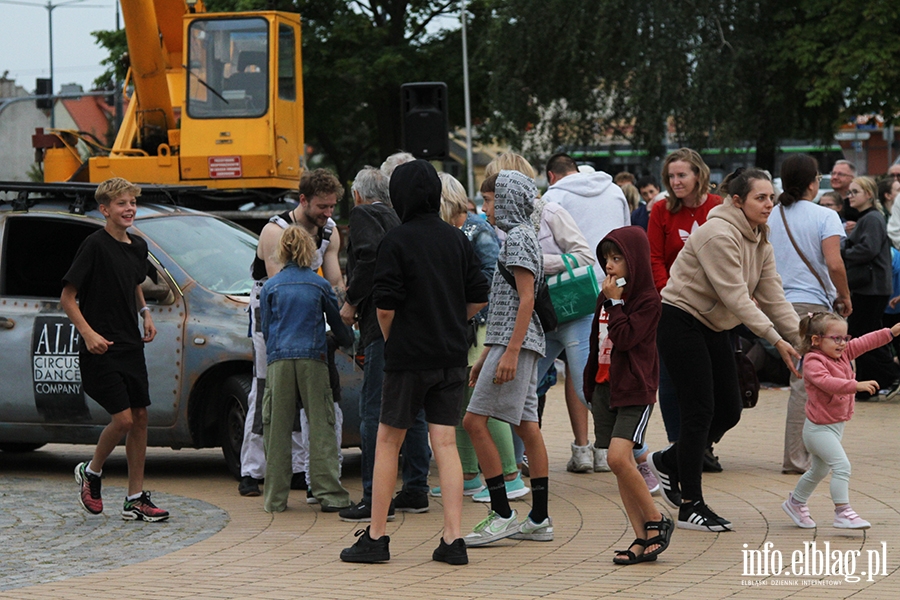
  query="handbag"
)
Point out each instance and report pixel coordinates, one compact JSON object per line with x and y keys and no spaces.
{"x":543,"y":305}
{"x":837,"y":306}
{"x":573,"y":291}
{"x":748,"y":380}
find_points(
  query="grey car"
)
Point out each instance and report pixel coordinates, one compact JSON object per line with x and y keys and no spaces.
{"x":199,"y":365}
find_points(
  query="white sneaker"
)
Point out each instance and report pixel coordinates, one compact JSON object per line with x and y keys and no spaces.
{"x":847,"y":518}
{"x":536,"y":532}
{"x":493,"y":528}
{"x":581,"y":461}
{"x":600,"y":464}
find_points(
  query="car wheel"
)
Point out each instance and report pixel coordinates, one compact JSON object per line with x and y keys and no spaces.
{"x":19,"y":447}
{"x":235,"y":393}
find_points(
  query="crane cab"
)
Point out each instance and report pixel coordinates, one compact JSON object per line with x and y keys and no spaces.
{"x":242,"y":116}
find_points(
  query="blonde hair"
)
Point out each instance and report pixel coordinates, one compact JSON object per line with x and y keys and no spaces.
{"x":111,"y":189}
{"x":453,"y":198}
{"x":632,"y":195}
{"x":692,"y":157}
{"x":510,"y":161}
{"x":296,"y":246}
{"x":870,"y":187}
{"x":815,"y":324}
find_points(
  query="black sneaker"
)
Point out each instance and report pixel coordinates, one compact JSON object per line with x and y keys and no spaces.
{"x":362,"y":512}
{"x":711,"y":462}
{"x":367,"y":550}
{"x":700,"y":517}
{"x":668,"y":481}
{"x":452,"y":554}
{"x":248,"y":486}
{"x":411,"y":502}
{"x":298,"y":481}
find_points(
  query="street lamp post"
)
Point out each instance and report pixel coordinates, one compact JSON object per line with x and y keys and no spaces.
{"x":50,"y":6}
{"x":470,"y":168}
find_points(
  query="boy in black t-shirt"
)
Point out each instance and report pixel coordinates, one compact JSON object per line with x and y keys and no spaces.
{"x":106,"y":277}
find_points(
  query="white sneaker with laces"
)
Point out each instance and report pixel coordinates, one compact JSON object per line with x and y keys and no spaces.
{"x":491,"y":529}
{"x":536,"y":532}
{"x":600,"y":464}
{"x":582,"y":459}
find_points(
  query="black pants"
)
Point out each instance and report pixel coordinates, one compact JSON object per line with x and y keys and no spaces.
{"x":877,"y":364}
{"x":701,"y":364}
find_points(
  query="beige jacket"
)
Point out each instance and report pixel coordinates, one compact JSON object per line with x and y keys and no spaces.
{"x":723,"y":268}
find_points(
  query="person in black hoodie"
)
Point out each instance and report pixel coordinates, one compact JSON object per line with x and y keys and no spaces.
{"x":621,"y":379}
{"x":370,"y":219}
{"x":428,"y":284}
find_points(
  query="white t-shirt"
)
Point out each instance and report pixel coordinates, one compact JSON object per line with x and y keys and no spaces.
{"x":810,"y":225}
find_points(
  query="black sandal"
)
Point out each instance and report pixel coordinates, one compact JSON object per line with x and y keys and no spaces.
{"x":665,"y":527}
{"x":632,"y":558}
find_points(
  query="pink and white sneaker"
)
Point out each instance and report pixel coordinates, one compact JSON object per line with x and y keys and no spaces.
{"x":846,"y":518}
{"x":649,"y":478}
{"x":799,"y":513}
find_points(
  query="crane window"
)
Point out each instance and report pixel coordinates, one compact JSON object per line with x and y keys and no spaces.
{"x":287,"y":49}
{"x":228,"y":68}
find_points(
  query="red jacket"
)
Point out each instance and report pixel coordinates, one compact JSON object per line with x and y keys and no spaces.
{"x":634,"y":362}
{"x":669,"y":231}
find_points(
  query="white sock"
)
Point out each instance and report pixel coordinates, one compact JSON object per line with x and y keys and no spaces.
{"x":88,"y":469}
{"x":134,"y":496}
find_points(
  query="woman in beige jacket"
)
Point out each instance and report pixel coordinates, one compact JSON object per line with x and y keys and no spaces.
{"x":724,"y":276}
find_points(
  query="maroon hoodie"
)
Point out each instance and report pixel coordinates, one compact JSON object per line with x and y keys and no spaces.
{"x":634,"y":362}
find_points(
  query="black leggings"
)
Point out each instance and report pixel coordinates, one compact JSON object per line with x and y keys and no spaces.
{"x":701,"y":364}
{"x":877,"y":364}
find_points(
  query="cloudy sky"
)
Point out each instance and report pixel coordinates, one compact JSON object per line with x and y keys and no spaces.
{"x":24,"y":46}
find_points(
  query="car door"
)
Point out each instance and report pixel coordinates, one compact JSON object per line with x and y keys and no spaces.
{"x":38,"y":344}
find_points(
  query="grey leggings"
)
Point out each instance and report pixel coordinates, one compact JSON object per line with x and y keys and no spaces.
{"x":824,"y":445}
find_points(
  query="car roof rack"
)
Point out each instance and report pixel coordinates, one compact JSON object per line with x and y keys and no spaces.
{"x":79,"y":195}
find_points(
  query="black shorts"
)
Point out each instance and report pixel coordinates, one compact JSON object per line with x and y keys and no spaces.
{"x":625,"y":422}
{"x":440,"y":391}
{"x":116,"y":380}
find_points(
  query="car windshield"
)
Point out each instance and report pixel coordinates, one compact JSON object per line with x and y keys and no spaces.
{"x":216,"y":253}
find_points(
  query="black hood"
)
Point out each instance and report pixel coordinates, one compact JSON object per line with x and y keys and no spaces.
{"x":415,"y":190}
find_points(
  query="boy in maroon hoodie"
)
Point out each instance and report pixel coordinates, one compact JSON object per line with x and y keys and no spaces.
{"x":623,"y":353}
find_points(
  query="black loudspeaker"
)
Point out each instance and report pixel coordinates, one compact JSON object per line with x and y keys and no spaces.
{"x":42,"y":88}
{"x":425,"y":123}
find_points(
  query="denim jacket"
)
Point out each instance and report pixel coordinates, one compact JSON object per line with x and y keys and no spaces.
{"x":294,"y":305}
{"x":487,"y":249}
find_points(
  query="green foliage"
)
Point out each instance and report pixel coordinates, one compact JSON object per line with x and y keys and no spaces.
{"x":116,"y":63}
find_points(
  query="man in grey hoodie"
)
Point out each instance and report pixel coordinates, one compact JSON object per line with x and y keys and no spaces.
{"x":598,"y":206}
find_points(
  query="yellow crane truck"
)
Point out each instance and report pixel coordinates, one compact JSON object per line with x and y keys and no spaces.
{"x":216,"y":109}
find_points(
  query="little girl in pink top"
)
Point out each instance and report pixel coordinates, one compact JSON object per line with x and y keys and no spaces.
{"x":828,"y":377}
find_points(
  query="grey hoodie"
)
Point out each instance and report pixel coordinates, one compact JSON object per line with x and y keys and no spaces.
{"x":596,"y":203}
{"x":513,"y":205}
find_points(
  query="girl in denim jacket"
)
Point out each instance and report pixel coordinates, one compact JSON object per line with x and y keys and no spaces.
{"x":294,"y":306}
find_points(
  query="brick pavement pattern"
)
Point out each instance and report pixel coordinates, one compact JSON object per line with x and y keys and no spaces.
{"x":295,"y":554}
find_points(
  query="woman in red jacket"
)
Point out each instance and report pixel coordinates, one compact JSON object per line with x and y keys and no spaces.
{"x":686,"y":178}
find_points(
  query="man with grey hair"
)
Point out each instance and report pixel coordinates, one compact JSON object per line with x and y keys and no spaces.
{"x":395,"y":160}
{"x":842,"y":174}
{"x":372,"y":217}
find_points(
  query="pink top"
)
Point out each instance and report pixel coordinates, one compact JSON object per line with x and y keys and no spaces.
{"x":829,"y":382}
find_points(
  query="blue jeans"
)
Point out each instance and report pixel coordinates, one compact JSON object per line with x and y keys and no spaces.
{"x":416,"y":452}
{"x":574,"y":338}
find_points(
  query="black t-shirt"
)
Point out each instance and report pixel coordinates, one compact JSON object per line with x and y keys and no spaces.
{"x":106,"y":272}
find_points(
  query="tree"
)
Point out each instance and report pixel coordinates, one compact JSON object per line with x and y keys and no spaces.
{"x":712,"y":66}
